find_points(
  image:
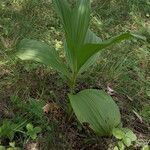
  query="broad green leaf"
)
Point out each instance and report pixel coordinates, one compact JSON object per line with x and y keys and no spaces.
{"x":80,"y":22}
{"x":76,"y":22}
{"x":68,"y":55}
{"x":118,"y":133}
{"x":41,"y":52}
{"x":88,"y":50}
{"x":93,"y":39}
{"x":96,"y":108}
{"x":64,"y":11}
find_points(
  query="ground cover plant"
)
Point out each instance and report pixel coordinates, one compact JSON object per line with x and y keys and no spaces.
{"x":121,"y":71}
{"x":81,"y":50}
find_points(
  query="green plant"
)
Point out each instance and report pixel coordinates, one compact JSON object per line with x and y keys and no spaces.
{"x":2,"y":147}
{"x":145,"y":113}
{"x":145,"y":147}
{"x":81,"y":47}
{"x":11,"y":147}
{"x":33,"y":131}
{"x":29,"y":110}
{"x":9,"y":128}
{"x":14,"y":128}
{"x":125,"y":137}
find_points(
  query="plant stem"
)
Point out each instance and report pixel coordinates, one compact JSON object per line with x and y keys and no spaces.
{"x":73,"y":82}
{"x":72,"y":91}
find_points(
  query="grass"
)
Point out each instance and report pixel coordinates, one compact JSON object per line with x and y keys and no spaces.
{"x":123,"y":68}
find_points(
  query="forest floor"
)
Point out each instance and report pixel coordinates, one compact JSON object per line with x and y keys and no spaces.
{"x":26,"y":87}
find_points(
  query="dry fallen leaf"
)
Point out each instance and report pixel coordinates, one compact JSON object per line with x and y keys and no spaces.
{"x":54,"y":110}
{"x":51,"y":107}
{"x":46,"y":108}
{"x":110,"y":91}
{"x":32,"y":146}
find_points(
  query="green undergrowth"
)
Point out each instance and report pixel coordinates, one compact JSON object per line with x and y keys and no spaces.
{"x":26,"y":88}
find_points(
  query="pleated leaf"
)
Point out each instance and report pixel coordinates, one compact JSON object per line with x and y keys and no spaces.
{"x":68,"y":55}
{"x":41,"y":52}
{"x":96,"y":108}
{"x":92,"y":38}
{"x":80,"y":22}
{"x":64,"y":11}
{"x":76,"y":22}
{"x":88,"y":50}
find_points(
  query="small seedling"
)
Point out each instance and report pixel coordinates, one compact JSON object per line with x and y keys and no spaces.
{"x":33,"y":131}
{"x":12,"y":146}
{"x":125,"y":136}
{"x":7,"y":130}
